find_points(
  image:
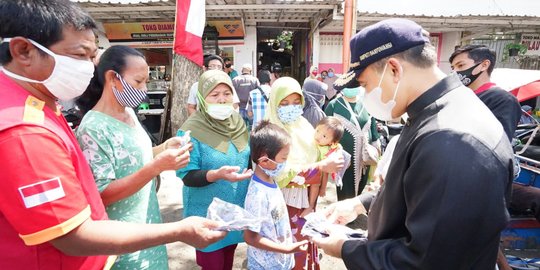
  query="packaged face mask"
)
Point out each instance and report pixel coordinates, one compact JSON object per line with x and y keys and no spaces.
{"x":232,"y":217}
{"x":186,"y":138}
{"x":341,"y":172}
{"x":316,"y":225}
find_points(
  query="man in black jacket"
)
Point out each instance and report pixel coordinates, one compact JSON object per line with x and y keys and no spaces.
{"x":442,"y":205}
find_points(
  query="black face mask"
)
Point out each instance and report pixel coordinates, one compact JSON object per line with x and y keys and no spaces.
{"x":228,"y":65}
{"x":467,"y":77}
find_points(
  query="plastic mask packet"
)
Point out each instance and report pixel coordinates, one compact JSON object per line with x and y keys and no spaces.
{"x":232,"y":217}
{"x":341,"y":172}
{"x":316,"y":225}
{"x":186,"y":138}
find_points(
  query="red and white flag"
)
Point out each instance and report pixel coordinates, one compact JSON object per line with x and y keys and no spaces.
{"x":42,"y":192}
{"x":189,"y":28}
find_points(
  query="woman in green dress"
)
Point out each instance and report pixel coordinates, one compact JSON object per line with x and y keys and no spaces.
{"x":119,"y":151}
{"x":350,"y":110}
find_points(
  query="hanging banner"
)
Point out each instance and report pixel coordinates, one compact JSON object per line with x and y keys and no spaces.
{"x":141,"y":34}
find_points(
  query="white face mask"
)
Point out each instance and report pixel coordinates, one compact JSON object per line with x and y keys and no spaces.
{"x":69,"y":79}
{"x":374,"y":105}
{"x":219,"y":111}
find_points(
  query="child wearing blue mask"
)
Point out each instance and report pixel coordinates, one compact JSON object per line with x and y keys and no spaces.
{"x":271,"y":247}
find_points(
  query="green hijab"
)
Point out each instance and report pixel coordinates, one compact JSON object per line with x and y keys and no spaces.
{"x":210,"y":131}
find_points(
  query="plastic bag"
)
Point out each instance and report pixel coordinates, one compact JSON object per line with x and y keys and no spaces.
{"x":316,"y":225}
{"x":341,"y":172}
{"x":232,"y":217}
{"x":186,"y":138}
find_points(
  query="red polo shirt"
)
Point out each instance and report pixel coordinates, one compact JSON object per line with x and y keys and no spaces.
{"x":484,"y":87}
{"x":47,"y":188}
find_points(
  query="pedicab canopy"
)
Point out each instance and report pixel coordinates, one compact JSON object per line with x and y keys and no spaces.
{"x":522,"y":83}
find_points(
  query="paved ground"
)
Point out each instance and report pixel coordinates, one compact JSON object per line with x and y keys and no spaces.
{"x":182,"y":256}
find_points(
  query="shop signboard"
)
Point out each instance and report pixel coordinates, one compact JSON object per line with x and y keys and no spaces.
{"x":532,"y":42}
{"x":141,"y":34}
{"x":161,"y":34}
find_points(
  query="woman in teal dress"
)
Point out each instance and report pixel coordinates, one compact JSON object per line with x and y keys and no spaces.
{"x":356,"y":176}
{"x":120,"y":152}
{"x":218,"y":162}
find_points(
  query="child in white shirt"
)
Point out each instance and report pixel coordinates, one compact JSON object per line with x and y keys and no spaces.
{"x":273,"y":246}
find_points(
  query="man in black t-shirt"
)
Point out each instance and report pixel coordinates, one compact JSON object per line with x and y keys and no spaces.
{"x":474,"y":64}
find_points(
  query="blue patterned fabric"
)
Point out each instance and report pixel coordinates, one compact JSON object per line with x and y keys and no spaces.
{"x":257,"y":103}
{"x":265,"y":200}
{"x":197,"y":199}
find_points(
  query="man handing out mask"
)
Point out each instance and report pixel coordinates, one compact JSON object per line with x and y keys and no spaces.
{"x":51,"y":214}
{"x":451,"y":169}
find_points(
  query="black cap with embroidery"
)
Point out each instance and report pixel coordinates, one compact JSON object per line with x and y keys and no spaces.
{"x":378,"y":41}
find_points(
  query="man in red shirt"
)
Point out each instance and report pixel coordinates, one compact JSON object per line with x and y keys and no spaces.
{"x":51,"y":214}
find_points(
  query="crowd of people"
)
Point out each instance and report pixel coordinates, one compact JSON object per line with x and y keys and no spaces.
{"x":87,"y":199}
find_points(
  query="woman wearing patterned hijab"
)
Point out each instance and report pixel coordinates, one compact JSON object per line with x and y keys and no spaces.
{"x":218,"y":162}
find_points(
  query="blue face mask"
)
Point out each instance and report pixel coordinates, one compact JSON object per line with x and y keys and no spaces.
{"x":275,"y":172}
{"x":350,"y":92}
{"x":330,"y":74}
{"x":290,"y":113}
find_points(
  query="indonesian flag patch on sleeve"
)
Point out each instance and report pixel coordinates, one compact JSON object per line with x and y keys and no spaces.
{"x":42,"y":192}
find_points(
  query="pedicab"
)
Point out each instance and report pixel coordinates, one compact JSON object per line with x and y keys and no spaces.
{"x":523,"y":230}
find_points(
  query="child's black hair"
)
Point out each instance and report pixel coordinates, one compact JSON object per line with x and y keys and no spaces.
{"x":334,"y":125}
{"x":267,"y":139}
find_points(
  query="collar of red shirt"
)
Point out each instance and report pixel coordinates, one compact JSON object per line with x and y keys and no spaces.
{"x":484,"y":87}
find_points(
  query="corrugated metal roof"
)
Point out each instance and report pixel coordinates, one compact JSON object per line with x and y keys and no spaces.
{"x":287,"y":13}
{"x":450,"y":8}
{"x":474,"y":16}
{"x":117,"y":1}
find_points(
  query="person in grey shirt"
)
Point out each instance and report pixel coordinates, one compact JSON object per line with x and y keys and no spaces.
{"x":243,"y":84}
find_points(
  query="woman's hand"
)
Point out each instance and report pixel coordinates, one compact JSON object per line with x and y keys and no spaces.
{"x":173,"y":143}
{"x":332,"y":163}
{"x":172,"y":159}
{"x":229,"y":173}
{"x":177,"y":142}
